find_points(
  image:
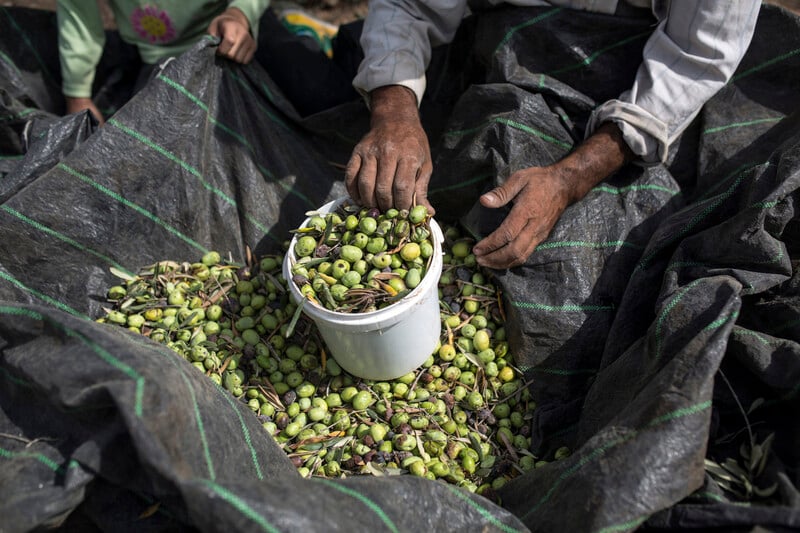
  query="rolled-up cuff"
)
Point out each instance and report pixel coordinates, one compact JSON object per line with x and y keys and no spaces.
{"x":365,"y":84}
{"x":645,"y":134}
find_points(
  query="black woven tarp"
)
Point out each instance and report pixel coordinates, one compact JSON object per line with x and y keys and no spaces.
{"x":662,"y":310}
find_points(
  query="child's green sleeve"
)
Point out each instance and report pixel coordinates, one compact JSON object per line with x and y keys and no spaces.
{"x":81,"y":39}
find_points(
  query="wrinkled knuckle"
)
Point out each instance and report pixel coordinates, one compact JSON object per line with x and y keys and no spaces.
{"x":383,"y":189}
{"x":506,"y":235}
{"x":402,"y":187}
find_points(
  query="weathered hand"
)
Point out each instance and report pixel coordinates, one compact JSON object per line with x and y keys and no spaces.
{"x":76,"y":105}
{"x":391,"y":166}
{"x":539,"y":196}
{"x":233,"y":28}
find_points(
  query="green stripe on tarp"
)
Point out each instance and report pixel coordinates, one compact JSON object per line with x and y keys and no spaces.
{"x":241,"y":506}
{"x":515,"y":125}
{"x":485,"y":513}
{"x":14,"y":379}
{"x":238,"y":136}
{"x":712,"y":205}
{"x":570,"y":308}
{"x":22,"y":114}
{"x":104,"y":354}
{"x":170,"y":355}
{"x":193,"y":171}
{"x":564,"y":372}
{"x":62,"y":237}
{"x":764,"y":65}
{"x":28,"y":43}
{"x":133,"y":206}
{"x":586,"y":244}
{"x":55,"y":303}
{"x":601,"y":451}
{"x":717,"y":129}
{"x":40,"y":457}
{"x":247,"y":87}
{"x":10,"y":62}
{"x":634,"y":188}
{"x":245,"y":432}
{"x":588,"y":60}
{"x":199,"y":103}
{"x":535,"y":20}
{"x":665,"y":312}
{"x":374,"y":507}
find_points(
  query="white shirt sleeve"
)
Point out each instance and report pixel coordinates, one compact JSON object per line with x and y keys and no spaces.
{"x":397,"y":39}
{"x":692,"y":53}
{"x":690,"y":56}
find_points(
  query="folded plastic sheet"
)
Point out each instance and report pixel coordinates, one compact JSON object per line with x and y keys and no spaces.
{"x":657,"y":325}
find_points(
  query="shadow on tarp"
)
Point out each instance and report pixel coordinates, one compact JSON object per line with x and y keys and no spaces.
{"x":658,"y":323}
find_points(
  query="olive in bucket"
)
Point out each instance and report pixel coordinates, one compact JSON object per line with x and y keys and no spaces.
{"x":369,"y":281}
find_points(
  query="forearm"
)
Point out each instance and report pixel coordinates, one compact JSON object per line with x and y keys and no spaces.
{"x":599,"y":156}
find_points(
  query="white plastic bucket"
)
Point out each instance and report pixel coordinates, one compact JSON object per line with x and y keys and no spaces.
{"x":387,"y":343}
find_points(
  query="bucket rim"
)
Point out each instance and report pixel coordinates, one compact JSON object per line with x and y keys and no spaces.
{"x":379,"y":316}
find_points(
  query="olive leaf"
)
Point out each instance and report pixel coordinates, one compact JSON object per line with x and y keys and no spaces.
{"x":755,"y":405}
{"x":717,"y":471}
{"x":121,"y":274}
{"x":766,"y":492}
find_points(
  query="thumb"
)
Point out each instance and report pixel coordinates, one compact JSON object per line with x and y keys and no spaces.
{"x":500,"y":196}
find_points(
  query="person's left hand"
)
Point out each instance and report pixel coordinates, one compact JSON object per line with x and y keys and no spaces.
{"x":233,"y":29}
{"x":539,"y":196}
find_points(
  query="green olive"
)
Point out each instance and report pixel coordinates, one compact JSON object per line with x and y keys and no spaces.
{"x":305,"y":246}
{"x":417,"y":214}
{"x":368,"y":225}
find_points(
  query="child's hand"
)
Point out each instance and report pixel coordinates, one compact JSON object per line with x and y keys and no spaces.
{"x":234,"y":30}
{"x":76,"y":105}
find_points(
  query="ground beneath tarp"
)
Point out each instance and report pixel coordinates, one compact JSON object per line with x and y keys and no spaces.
{"x":658,"y":324}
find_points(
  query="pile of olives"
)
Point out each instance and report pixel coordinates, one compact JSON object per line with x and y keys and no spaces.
{"x":357,"y":259}
{"x":463,"y":417}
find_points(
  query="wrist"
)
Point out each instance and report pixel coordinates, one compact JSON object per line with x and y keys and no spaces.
{"x":393,"y":102}
{"x":598,"y":157}
{"x":238,"y":15}
{"x":77,"y":103}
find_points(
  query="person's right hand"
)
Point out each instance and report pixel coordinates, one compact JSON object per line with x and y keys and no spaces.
{"x":391,"y":166}
{"x":233,"y":29}
{"x":76,"y":105}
